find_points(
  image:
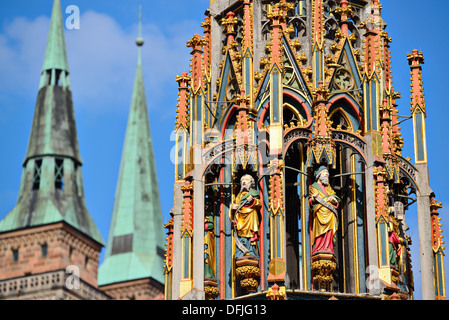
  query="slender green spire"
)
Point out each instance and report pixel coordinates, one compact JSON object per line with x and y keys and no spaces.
{"x":135,"y":247}
{"x":54,"y":130}
{"x":56,"y":55}
{"x":51,"y":189}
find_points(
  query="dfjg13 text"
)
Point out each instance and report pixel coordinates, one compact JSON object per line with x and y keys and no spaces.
{"x":243,"y":310}
{"x":231,"y":309}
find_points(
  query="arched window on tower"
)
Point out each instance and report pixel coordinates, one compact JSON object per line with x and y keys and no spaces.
{"x":44,"y":250}
{"x":59,"y":174}
{"x":37,"y":174}
{"x":15,"y":255}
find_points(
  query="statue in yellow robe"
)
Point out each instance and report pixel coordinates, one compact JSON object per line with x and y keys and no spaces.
{"x":245,"y":217}
{"x":209,"y":244}
{"x":324,"y":203}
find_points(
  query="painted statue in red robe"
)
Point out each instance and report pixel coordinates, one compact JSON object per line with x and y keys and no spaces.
{"x":324,"y":204}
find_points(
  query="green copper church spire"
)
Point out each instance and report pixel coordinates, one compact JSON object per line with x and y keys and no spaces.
{"x":135,"y":248}
{"x":51,"y":189}
{"x":56,"y":66}
{"x":54,"y":131}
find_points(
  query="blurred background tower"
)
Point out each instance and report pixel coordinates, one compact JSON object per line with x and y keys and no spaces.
{"x":49,"y":239}
{"x":133,"y":265}
{"x":49,"y":244}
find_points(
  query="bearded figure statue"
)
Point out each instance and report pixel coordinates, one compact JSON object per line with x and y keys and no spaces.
{"x":325,"y":204}
{"x":245,"y":217}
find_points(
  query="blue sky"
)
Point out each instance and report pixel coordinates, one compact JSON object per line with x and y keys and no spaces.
{"x":102,"y":58}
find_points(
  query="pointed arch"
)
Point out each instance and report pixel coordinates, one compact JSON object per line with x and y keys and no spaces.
{"x":228,"y":122}
{"x":300,"y":27}
{"x":228,"y":89}
{"x":297,"y":80}
{"x":351,"y":109}
{"x":291,"y":115}
{"x":295,"y":101}
{"x":301,"y":105}
{"x":349,"y":71}
{"x":340,"y":120}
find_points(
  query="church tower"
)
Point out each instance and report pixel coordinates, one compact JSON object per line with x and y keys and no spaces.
{"x":290,"y":181}
{"x":133,"y":265}
{"x":49,"y":244}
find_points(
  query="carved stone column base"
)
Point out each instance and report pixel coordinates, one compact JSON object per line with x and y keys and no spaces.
{"x":323,"y":269}
{"x":248,"y":271}
{"x":211,"y":288}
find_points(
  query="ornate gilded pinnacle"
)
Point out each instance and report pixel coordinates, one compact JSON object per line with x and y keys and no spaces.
{"x":243,"y":99}
{"x":206,"y":25}
{"x":196,"y":43}
{"x":229,"y":23}
{"x":434,"y":206}
{"x":345,"y":9}
{"x":415,"y":58}
{"x":284,"y":6}
{"x":321,"y":93}
{"x":184,"y":79}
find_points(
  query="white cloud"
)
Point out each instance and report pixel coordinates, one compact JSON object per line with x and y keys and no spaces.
{"x":21,"y":53}
{"x":102,"y":59}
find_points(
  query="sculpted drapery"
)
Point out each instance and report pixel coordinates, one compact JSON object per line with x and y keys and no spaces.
{"x":324,"y":204}
{"x":245,"y":216}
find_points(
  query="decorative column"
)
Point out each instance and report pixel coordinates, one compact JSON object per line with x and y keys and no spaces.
{"x":168,"y":262}
{"x":198,"y":225}
{"x":245,"y":154}
{"x":438,"y":250}
{"x":318,"y":42}
{"x":276,"y":86}
{"x":182,"y":127}
{"x":385,"y":112}
{"x":424,"y":192}
{"x":197,"y":94}
{"x":210,"y":134}
{"x":418,"y":106}
{"x":382,"y":224}
{"x":372,"y":98}
{"x":187,"y":240}
{"x":321,"y":155}
{"x":246,"y":150}
{"x":373,"y":71}
{"x":210,"y":279}
{"x":247,"y":50}
{"x":198,"y":124}
{"x":277,"y":264}
{"x":208,"y":45}
{"x":321,"y":148}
